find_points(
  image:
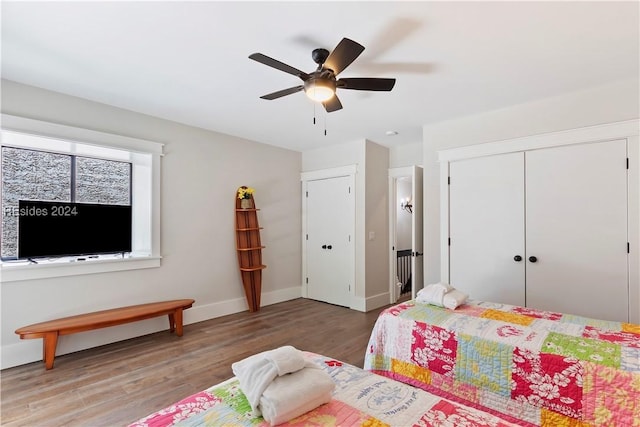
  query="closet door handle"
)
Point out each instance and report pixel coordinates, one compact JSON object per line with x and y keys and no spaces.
{"x":517,"y":258}
{"x":533,"y":259}
{"x":324,"y":246}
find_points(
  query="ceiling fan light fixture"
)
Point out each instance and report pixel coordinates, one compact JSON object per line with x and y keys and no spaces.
{"x":320,"y":90}
{"x":320,"y":85}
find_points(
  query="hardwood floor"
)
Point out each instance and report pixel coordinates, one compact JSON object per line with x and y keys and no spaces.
{"x":119,"y":383}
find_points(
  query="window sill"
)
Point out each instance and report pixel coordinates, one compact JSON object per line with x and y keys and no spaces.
{"x":11,"y":272}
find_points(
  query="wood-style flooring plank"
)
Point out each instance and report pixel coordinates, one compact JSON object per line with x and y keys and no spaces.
{"x":119,"y":383}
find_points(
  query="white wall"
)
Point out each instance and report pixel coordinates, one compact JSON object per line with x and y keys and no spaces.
{"x":406,"y":155}
{"x":377,"y":225}
{"x":604,"y":104}
{"x":200,"y":174}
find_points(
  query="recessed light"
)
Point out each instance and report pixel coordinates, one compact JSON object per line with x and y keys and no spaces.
{"x":391,"y":133}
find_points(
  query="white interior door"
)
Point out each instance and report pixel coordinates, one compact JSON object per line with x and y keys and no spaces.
{"x":577,"y":230}
{"x":417,"y":246}
{"x":330,"y":216}
{"x":486,"y":228}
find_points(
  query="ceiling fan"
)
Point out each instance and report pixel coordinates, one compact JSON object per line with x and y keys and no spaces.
{"x":321,"y":84}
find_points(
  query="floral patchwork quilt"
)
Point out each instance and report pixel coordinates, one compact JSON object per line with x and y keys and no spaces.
{"x":361,"y":398}
{"x":535,"y":368}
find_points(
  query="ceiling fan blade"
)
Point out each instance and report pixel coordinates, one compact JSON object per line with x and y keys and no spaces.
{"x":366,"y":83}
{"x":281,"y":93}
{"x":343,"y":55}
{"x":264,"y":59}
{"x":333,"y":104}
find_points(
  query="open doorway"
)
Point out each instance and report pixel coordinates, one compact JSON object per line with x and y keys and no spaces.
{"x":405,"y":232}
{"x":404,"y":211}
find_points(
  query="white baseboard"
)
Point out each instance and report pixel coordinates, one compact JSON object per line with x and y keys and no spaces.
{"x":370,"y":303}
{"x":27,"y":351}
{"x":199,"y":313}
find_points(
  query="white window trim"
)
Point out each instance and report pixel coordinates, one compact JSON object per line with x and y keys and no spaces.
{"x":12,"y":272}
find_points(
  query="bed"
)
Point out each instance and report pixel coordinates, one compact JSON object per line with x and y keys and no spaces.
{"x":360,"y":398}
{"x":534,"y":368}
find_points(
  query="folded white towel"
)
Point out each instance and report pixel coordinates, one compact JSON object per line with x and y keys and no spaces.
{"x":453,"y":299}
{"x":256,"y":372}
{"x":292,"y":395}
{"x":433,"y":294}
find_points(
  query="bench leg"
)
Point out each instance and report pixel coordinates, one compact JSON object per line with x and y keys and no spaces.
{"x":172,"y":323}
{"x":175,"y":322}
{"x":50,"y":341}
{"x":178,"y":320}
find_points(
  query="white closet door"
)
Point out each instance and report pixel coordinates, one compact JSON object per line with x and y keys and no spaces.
{"x":330,"y":251}
{"x":577,"y":230}
{"x":486,"y":224}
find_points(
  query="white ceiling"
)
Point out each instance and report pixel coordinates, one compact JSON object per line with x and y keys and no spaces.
{"x":187,"y":61}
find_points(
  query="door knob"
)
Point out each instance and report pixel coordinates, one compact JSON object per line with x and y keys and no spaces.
{"x":329,"y":247}
{"x":324,"y":246}
{"x":517,"y":258}
{"x":533,"y":259}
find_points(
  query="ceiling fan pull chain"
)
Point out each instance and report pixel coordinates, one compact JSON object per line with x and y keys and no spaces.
{"x":314,"y":113}
{"x":325,"y":125}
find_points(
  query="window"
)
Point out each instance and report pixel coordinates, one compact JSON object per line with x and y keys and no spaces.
{"x":40,"y":175}
{"x":51,"y":162}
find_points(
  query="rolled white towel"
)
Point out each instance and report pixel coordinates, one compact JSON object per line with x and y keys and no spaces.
{"x":256,"y":372}
{"x":453,"y":299}
{"x":433,"y":294}
{"x":292,"y":395}
{"x":286,"y":359}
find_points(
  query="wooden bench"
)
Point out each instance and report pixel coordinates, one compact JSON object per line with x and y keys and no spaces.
{"x":51,"y":330}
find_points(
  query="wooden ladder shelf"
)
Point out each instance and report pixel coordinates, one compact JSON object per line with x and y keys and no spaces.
{"x":249,"y":251}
